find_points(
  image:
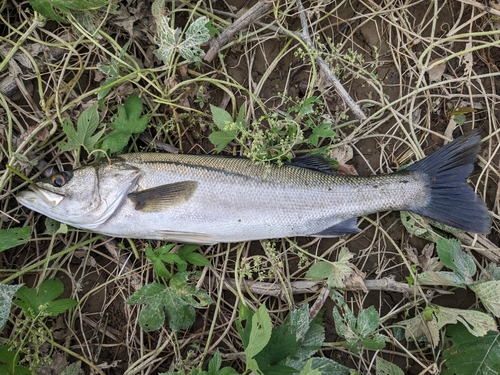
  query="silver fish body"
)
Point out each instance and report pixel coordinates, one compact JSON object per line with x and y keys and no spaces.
{"x":207,"y":199}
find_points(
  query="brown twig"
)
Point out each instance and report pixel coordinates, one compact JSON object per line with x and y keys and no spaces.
{"x":306,"y":37}
{"x":387,"y":284}
{"x":255,"y":12}
{"x":484,"y":7}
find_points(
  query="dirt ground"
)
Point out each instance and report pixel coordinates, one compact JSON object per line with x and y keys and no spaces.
{"x":381,"y":52}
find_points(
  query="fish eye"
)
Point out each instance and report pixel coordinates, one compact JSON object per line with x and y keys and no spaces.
{"x":60,"y":179}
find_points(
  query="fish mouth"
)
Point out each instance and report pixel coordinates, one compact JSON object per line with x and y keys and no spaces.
{"x":31,"y":197}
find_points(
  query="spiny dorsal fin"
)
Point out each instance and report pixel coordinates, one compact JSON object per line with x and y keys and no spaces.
{"x":163,"y":197}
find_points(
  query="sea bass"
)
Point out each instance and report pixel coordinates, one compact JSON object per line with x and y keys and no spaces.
{"x":211,"y":199}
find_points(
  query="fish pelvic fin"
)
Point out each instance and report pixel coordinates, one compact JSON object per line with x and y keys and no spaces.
{"x":163,"y":197}
{"x":452,"y":201}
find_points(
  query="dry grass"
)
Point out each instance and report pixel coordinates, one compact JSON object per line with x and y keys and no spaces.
{"x":387,"y":55}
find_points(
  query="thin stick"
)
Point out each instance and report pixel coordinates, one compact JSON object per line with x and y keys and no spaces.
{"x":306,"y":37}
{"x":484,"y":7}
{"x":387,"y":284}
{"x":255,"y":12}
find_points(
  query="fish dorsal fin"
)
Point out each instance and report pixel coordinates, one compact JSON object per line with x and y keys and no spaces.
{"x":315,"y":162}
{"x":163,"y":197}
{"x":340,"y":229}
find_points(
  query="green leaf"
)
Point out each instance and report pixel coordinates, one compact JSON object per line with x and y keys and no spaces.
{"x":222,"y":138}
{"x":10,"y":356}
{"x":330,"y":367}
{"x":368,"y":321}
{"x":383,"y":367}
{"x":260,"y":333}
{"x":452,"y":256}
{"x":128,"y":122}
{"x":112,"y":70}
{"x":54,"y":8}
{"x":175,"y":303}
{"x":470,"y":354}
{"x":72,"y":369}
{"x":196,"y":34}
{"x":221,"y":117}
{"x":6,"y":295}
{"x":84,"y":135}
{"x":320,"y":270}
{"x":425,"y":327}
{"x":40,"y":302}
{"x":13,"y":237}
{"x":161,"y":256}
{"x":359,"y":331}
{"x":188,"y":254}
{"x":168,"y":40}
{"x":335,"y":273}
{"x":489,"y":294}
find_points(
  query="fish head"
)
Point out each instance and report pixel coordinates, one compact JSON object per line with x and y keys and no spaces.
{"x":85,"y":197}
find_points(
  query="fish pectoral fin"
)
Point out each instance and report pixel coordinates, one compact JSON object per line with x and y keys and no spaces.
{"x":189,"y":237}
{"x":340,"y":229}
{"x":163,"y":197}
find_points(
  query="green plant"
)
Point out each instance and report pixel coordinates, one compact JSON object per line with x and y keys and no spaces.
{"x":58,"y":10}
{"x":214,"y":368}
{"x":286,"y":349}
{"x":127,"y":122}
{"x":359,"y":332}
{"x":31,"y":332}
{"x":175,"y":302}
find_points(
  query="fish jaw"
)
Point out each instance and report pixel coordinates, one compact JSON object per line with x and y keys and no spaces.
{"x":38,"y":199}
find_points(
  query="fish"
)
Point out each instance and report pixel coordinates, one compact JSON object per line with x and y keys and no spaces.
{"x":209,"y":199}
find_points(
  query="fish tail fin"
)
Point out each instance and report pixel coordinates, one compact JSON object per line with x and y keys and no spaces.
{"x":452,"y":201}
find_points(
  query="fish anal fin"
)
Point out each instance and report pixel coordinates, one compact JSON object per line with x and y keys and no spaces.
{"x":187,"y":237}
{"x":340,"y":229}
{"x":164,"y":197}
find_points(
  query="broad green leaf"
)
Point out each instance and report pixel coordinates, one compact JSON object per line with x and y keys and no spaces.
{"x":72,"y":369}
{"x":14,"y":237}
{"x":489,"y":294}
{"x":452,"y":256}
{"x":41,"y":301}
{"x":335,"y":273}
{"x":330,"y":367}
{"x":368,"y":321}
{"x":84,"y":135}
{"x":440,"y":278}
{"x":470,"y":354}
{"x":188,"y":253}
{"x":320,"y":270}
{"x":53,"y":9}
{"x":427,"y":328}
{"x":10,"y":356}
{"x":359,"y":331}
{"x":222,"y":138}
{"x":128,"y":122}
{"x":376,"y":342}
{"x":260,"y":333}
{"x":168,"y":40}
{"x":383,"y":367}
{"x":175,"y":303}
{"x":196,"y":34}
{"x":221,"y":117}
{"x":6,"y":295}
